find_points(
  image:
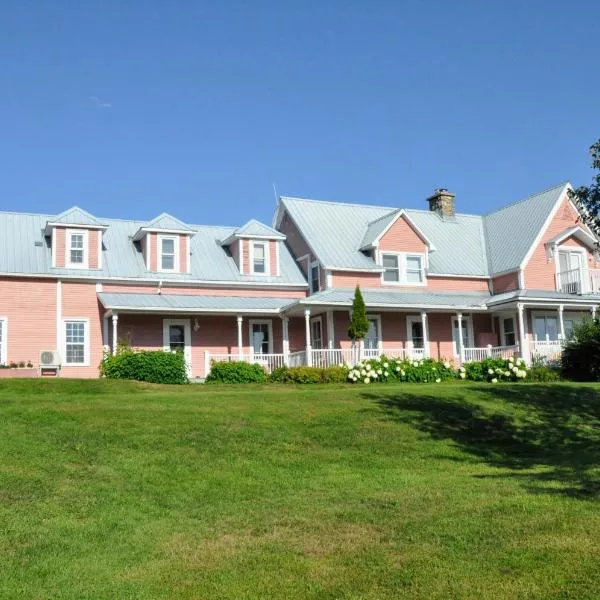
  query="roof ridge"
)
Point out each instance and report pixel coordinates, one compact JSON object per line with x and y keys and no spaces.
{"x":314,"y":201}
{"x":531,"y":196}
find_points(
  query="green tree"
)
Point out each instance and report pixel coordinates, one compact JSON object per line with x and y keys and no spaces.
{"x":359,"y":324}
{"x":587,"y":198}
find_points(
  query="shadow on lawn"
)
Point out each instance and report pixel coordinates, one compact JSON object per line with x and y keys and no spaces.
{"x":517,"y":427}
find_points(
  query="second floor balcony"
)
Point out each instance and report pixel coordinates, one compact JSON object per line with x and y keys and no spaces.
{"x":578,"y":281}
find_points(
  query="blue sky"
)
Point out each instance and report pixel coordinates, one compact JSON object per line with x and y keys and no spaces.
{"x":132,"y":108}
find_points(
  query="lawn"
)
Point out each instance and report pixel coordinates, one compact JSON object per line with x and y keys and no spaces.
{"x":116,"y":491}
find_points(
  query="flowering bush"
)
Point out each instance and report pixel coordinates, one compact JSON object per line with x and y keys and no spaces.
{"x":384,"y":369}
{"x":495,"y":370}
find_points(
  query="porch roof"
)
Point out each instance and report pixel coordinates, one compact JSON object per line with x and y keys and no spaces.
{"x":544,"y":296}
{"x":401,"y":299}
{"x":169,"y":303}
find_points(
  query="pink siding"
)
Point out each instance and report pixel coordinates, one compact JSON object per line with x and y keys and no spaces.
{"x":505,"y":283}
{"x":540,"y":271}
{"x":273,"y":257}
{"x":246,"y":256}
{"x":440,"y":336}
{"x":295,"y":241}
{"x":234,"y":248}
{"x":296,"y":331}
{"x":60,"y":252}
{"x":342,"y":279}
{"x":80,"y":300}
{"x":30,"y":308}
{"x":153,"y":248}
{"x":93,"y":248}
{"x":401,"y":237}
{"x":457,"y":284}
{"x":183,"y":253}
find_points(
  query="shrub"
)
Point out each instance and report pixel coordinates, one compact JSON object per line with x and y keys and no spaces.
{"x":236,"y":372}
{"x":494,"y":370}
{"x":581,"y":355}
{"x":309,"y":375}
{"x":382,"y":370}
{"x":153,"y":366}
{"x":543,"y":374}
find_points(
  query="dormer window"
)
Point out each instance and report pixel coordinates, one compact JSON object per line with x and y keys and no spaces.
{"x":414,"y":269}
{"x":401,"y":268}
{"x":259,"y":258}
{"x":77,"y":249}
{"x":168,"y":251}
{"x":390,"y":264}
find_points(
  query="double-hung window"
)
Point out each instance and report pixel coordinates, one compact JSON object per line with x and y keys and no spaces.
{"x":76,"y":342}
{"x":316,"y":333}
{"x":315,"y":284}
{"x":403,"y":269}
{"x":508,"y":327}
{"x":259,"y":258}
{"x":168,"y":253}
{"x":77,"y":249}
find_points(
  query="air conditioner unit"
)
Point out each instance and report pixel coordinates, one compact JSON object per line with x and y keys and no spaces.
{"x":49,"y":363}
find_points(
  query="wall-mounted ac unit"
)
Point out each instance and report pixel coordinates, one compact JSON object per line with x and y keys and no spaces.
{"x":49,"y":363}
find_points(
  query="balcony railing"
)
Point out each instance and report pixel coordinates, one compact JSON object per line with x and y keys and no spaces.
{"x":578,"y":281}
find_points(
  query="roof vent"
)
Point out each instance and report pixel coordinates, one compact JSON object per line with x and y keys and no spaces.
{"x":442,"y":202}
{"x":38,"y":244}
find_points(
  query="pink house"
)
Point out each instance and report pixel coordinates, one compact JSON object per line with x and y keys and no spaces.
{"x":436,"y":283}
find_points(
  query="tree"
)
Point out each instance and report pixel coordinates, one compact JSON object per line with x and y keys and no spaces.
{"x":359,"y":324}
{"x":587,"y":198}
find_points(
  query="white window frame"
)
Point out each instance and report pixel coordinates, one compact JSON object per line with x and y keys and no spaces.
{"x":470,"y":341}
{"x":265,"y":245}
{"x":402,"y":268}
{"x":311,"y":266}
{"x":379,"y":329}
{"x":553,"y":314}
{"x":159,"y":244}
{"x":86,"y":341}
{"x":4,"y":341}
{"x":318,"y":320}
{"x":85,"y":250}
{"x":410,"y":319}
{"x":269,"y":323}
{"x":187,"y":339}
{"x":583,"y":269}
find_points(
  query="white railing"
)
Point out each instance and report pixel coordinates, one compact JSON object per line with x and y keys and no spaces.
{"x":481,"y":353}
{"x":570,"y":282}
{"x":297,"y":358}
{"x":269,"y":361}
{"x":594,"y":281}
{"x":549,"y":350}
{"x":329,"y":357}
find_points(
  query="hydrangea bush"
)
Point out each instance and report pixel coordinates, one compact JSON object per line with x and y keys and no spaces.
{"x":384,"y":369}
{"x":494,"y":370}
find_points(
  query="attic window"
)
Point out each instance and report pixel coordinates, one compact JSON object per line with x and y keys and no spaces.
{"x":168,"y":253}
{"x":259,"y":258}
{"x":77,"y":245}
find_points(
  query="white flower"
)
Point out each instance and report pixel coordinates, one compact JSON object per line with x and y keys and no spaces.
{"x":402,"y":373}
{"x":463,"y":375}
{"x":447,"y":364}
{"x":379,"y":371}
{"x":386,"y":365}
{"x":506,"y":373}
{"x":367,"y":380}
{"x":363,"y":372}
{"x":354,"y":378}
{"x":438,"y":380}
{"x":350,"y":376}
{"x":386,"y":374}
{"x":490,"y":371}
{"x":522,"y":374}
{"x":415,"y":364}
{"x":494,"y":380}
{"x":374,"y":375}
{"x":368,"y":367}
{"x":515,"y":369}
{"x":463,"y":370}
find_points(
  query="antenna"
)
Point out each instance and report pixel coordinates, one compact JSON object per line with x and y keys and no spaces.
{"x":275,"y":192}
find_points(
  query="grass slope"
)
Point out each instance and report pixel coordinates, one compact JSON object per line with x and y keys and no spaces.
{"x":117,"y":490}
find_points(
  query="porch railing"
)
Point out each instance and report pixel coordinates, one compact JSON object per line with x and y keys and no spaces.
{"x":481,"y":353}
{"x":547,"y":350}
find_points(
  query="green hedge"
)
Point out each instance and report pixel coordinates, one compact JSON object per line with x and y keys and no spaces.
{"x":236,"y":372}
{"x":580,"y":359}
{"x":309,"y":375}
{"x":153,"y":366}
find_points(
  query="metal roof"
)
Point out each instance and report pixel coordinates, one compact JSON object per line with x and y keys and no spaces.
{"x":188,"y":303}
{"x":544,"y":295}
{"x":377,"y":227}
{"x":391,"y":299}
{"x":511,"y":231}
{"x":24,"y":249}
{"x":256,"y":228}
{"x":167,"y":222}
{"x":76,"y":216}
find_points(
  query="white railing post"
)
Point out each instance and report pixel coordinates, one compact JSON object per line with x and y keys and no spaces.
{"x":307,"y":337}
{"x":115,"y":336}
{"x":206,"y":363}
{"x":523,"y":336}
{"x":561,"y":321}
{"x":240,"y":320}
{"x":489,"y":350}
{"x":285,"y":325}
{"x":424,"y":326}
{"x":593,"y":312}
{"x":361,"y":350}
{"x":461,"y":343}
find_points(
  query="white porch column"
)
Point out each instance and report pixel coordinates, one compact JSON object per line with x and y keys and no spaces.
{"x":285,"y":343}
{"x":561,"y":321}
{"x":522,"y":335}
{"x":461,"y":342}
{"x":115,"y":321}
{"x":593,"y":310}
{"x":307,"y":337}
{"x":240,"y":342}
{"x":105,"y":330}
{"x":424,"y":325}
{"x":330,"y":330}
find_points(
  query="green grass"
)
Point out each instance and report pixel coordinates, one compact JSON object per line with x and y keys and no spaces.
{"x":115,"y":490}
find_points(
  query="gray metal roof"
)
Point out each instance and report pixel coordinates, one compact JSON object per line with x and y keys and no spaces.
{"x":76,"y":216}
{"x":168,"y":222}
{"x":25,"y":250}
{"x":544,"y":295}
{"x":256,"y":228}
{"x":377,"y":227}
{"x":511,"y":231}
{"x":391,"y":298}
{"x":187,"y":303}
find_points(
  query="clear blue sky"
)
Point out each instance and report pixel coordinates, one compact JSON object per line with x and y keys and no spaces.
{"x":132,"y":108}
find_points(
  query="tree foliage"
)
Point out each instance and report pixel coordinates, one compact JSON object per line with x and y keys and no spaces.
{"x":587,"y":198}
{"x":359,"y":324}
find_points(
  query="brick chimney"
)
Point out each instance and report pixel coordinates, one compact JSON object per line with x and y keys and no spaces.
{"x":442,"y":202}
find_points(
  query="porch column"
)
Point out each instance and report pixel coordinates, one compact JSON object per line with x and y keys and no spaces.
{"x":593,"y":310}
{"x":330,"y":330}
{"x":461,"y":343}
{"x":522,"y":335}
{"x":307,"y":337}
{"x":240,"y":320}
{"x":105,"y":326}
{"x":561,"y":321}
{"x":285,"y":343}
{"x":115,"y":321}
{"x":425,"y":327}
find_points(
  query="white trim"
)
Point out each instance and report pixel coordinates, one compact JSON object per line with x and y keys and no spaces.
{"x":545,"y":226}
{"x":402,"y":268}
{"x":4,"y":341}
{"x":59,"y":319}
{"x":467,"y":343}
{"x":379,"y":329}
{"x":277,"y":269}
{"x":51,"y":224}
{"x":267,"y":250}
{"x":583,"y":265}
{"x":578,"y":233}
{"x":269,"y":323}
{"x":352,"y":270}
{"x":187,"y":340}
{"x":99,"y":250}
{"x":159,"y":253}
{"x":311,"y":265}
{"x":328,"y":279}
{"x":502,"y":317}
{"x":167,"y":232}
{"x":197,"y":311}
{"x":85,"y":250}
{"x":53,"y":247}
{"x":312,"y":337}
{"x":148,"y":249}
{"x":330,"y":329}
{"x":187,"y":240}
{"x":86,"y":341}
{"x":98,"y":286}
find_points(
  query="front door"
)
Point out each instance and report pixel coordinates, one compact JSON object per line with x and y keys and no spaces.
{"x":177,"y":336}
{"x":261,"y":337}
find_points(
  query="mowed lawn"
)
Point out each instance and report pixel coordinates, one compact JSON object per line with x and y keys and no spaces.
{"x":120,"y":490}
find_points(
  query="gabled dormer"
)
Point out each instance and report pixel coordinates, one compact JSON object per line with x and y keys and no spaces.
{"x":165,"y":244}
{"x":255,"y":248}
{"x":397,"y":245}
{"x":75,"y":239}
